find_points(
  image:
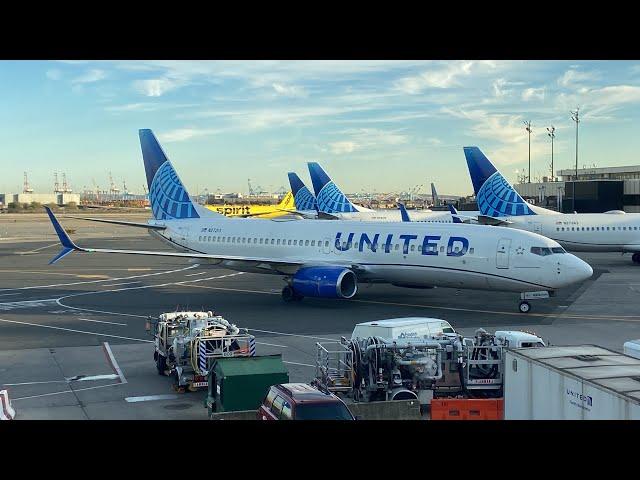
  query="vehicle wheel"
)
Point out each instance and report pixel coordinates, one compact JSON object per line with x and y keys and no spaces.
{"x":524,"y":307}
{"x":636,"y":257}
{"x":161,"y":364}
{"x":288,"y":295}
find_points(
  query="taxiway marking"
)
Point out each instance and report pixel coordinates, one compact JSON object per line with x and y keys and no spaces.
{"x":149,"y":398}
{"x":101,"y":321}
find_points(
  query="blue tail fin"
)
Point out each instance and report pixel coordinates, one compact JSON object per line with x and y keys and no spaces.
{"x":329,"y":197}
{"x":302,"y":196}
{"x":454,"y":214}
{"x":495,"y":195}
{"x":403,"y":212}
{"x":167,"y":195}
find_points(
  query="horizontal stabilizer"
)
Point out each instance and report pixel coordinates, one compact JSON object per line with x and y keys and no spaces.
{"x":121,"y":222}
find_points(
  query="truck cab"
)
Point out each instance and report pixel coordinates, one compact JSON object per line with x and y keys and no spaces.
{"x":517,"y":339}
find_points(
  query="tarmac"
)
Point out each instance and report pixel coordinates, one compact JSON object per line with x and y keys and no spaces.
{"x":73,"y":344}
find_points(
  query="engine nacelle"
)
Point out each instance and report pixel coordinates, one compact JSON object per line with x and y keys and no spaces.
{"x":325,"y":282}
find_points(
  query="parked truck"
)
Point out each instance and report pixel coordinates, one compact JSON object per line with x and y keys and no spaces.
{"x":584,"y":382}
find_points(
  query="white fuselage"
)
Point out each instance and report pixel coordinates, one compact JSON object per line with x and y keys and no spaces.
{"x":395,"y":216}
{"x":405,"y":254}
{"x":585,"y":232}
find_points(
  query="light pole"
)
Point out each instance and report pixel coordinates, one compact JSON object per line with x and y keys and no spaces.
{"x":575,"y":116}
{"x":528,"y":129}
{"x":552,"y":135}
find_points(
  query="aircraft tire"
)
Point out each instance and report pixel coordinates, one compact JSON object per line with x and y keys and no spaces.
{"x":636,"y":257}
{"x":288,"y":295}
{"x":524,"y":307}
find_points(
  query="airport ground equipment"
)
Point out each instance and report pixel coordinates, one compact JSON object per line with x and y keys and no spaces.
{"x":241,"y":383}
{"x":7,"y":411}
{"x":187,"y":343}
{"x":381,"y":369}
{"x":632,"y":348}
{"x":578,"y":382}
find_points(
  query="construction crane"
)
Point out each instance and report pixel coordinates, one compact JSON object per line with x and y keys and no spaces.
{"x":26,"y":188}
{"x":56,"y":185}
{"x":65,"y":186}
{"x":113,"y":189}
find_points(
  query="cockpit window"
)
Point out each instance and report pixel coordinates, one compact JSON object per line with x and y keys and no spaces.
{"x":544,"y":251}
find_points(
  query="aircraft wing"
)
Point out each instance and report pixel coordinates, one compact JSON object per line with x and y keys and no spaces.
{"x":120,"y":222}
{"x":285,"y":266}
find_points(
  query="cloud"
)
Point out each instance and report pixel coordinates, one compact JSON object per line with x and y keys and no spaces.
{"x":182,"y":134}
{"x":574,"y":77}
{"x":146,"y":107}
{"x":363,"y":138}
{"x":533,"y":94}
{"x":54,"y":74}
{"x":155,"y":87}
{"x":90,"y":76}
{"x":445,"y":76}
{"x":289,"y":90}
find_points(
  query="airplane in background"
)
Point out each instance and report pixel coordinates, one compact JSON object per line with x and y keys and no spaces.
{"x":500,"y":204}
{"x":332,"y":202}
{"x":328,"y":259}
{"x":285,"y":206}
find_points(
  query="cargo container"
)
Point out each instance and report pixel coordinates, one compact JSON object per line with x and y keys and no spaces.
{"x":584,"y":382}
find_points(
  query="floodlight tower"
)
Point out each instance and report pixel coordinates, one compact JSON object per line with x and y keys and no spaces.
{"x":575,"y":116}
{"x":528,"y":129}
{"x":551,"y":135}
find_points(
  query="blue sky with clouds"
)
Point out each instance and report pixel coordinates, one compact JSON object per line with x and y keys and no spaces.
{"x":383,"y":125}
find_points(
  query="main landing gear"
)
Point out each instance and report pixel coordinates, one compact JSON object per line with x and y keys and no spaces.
{"x":289,"y":295}
{"x":524,"y":306}
{"x":636,"y":257}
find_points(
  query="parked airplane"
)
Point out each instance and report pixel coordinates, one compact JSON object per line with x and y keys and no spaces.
{"x":500,"y":204}
{"x":332,"y":202}
{"x":328,"y":259}
{"x":255,"y":210}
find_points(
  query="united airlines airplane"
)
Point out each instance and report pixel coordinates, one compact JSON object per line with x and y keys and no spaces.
{"x":329,"y":259}
{"x":500,"y":204}
{"x":332,"y":203}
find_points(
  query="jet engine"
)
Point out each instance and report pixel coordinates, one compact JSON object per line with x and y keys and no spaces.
{"x":324,"y":282}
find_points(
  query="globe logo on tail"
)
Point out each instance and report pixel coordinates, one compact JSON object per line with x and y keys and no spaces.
{"x":331,"y":199}
{"x":168,"y":197}
{"x":497,"y":198}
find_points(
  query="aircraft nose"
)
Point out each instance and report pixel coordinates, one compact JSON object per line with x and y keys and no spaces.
{"x":576,"y":269}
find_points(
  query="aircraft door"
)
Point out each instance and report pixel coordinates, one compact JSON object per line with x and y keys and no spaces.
{"x":537,"y":228}
{"x":503,"y":252}
{"x":326,"y":245}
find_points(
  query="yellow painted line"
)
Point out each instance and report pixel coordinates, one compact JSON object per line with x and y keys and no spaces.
{"x":230,"y":289}
{"x":138,"y":269}
{"x":93,"y":276}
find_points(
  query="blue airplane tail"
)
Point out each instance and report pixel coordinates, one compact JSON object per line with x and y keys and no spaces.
{"x":302,"y":196}
{"x":495,"y":195}
{"x":329,"y":197}
{"x":167,"y":195}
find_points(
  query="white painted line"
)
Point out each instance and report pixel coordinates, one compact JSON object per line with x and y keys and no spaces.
{"x":8,"y":294}
{"x":67,"y":391}
{"x":38,"y":249}
{"x":196,"y":274}
{"x":118,"y":284}
{"x":272,"y":345}
{"x":90,"y":378}
{"x":32,"y":383}
{"x":293,"y":335}
{"x":149,"y":398}
{"x":101,"y":321}
{"x":302,"y":364}
{"x":112,"y":361}
{"x":103,"y":280}
{"x":75,"y":331}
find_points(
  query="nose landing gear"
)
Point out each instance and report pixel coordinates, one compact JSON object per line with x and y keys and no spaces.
{"x":524,"y":307}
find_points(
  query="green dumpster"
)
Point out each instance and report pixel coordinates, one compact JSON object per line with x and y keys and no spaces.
{"x":241,"y":383}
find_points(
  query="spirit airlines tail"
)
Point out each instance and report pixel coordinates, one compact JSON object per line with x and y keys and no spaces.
{"x":259,"y":211}
{"x":333,"y":202}
{"x":329,"y":259}
{"x":500,"y":204}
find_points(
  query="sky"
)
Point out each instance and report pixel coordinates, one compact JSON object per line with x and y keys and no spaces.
{"x":375,"y":126}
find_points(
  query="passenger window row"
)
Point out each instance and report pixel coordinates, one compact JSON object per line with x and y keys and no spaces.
{"x":596,"y":229}
{"x":262,"y":241}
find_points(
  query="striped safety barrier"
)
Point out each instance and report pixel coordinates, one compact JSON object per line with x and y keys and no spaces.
{"x":6,"y":410}
{"x":252,"y":347}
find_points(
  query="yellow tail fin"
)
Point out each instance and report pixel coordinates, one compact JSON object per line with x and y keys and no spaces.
{"x":287,"y":202}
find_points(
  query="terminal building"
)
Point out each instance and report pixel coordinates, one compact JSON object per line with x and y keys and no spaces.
{"x":595,"y":190}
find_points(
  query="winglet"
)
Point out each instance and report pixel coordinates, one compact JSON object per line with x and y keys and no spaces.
{"x":67,"y":244}
{"x":403,"y":212}
{"x":454,"y":214}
